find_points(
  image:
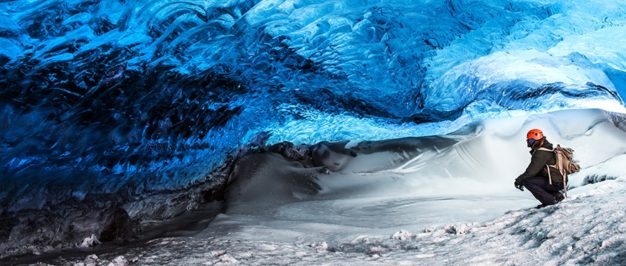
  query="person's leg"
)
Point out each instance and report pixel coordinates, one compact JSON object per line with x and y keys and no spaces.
{"x":555,"y":190}
{"x":554,"y":187}
{"x":539,"y":187}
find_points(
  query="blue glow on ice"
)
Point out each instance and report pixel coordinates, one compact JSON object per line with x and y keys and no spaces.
{"x":105,"y":95}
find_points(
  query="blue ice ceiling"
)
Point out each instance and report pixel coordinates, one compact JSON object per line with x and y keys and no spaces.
{"x":103,"y":96}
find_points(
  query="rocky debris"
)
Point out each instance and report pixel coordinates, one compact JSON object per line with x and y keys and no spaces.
{"x":227,"y":259}
{"x":330,"y":155}
{"x":118,"y":261}
{"x":375,"y":251}
{"x":223,"y":257}
{"x":217,"y":253}
{"x":90,"y":241}
{"x":67,"y":226}
{"x":402,"y":235}
{"x":320,"y":247}
{"x":91,"y":260}
{"x":94,"y":260}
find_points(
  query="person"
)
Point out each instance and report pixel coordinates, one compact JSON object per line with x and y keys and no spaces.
{"x":536,"y":176}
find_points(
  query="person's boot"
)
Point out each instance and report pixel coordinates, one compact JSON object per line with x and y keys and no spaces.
{"x":559,"y":197}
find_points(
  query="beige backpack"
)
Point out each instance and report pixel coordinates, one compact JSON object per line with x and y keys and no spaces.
{"x":565,"y":163}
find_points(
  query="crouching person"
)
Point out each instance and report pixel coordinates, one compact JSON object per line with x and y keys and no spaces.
{"x":542,"y":181}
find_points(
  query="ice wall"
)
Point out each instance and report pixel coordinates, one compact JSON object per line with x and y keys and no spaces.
{"x":103,"y":96}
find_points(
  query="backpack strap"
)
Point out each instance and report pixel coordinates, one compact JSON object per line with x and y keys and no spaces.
{"x":555,"y":166}
{"x":565,"y":185}
{"x":553,"y":151}
{"x":548,"y":165}
{"x":549,"y":175}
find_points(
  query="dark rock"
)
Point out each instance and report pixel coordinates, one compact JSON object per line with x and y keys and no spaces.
{"x":332,"y":156}
{"x":6,"y":225}
{"x":118,"y":227}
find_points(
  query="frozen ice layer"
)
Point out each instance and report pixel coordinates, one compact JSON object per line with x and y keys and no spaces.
{"x":132,"y":97}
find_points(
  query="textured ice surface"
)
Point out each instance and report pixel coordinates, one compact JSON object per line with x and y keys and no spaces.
{"x":133,"y":96}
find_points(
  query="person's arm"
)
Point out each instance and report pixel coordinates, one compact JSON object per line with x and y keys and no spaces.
{"x":537,"y":163}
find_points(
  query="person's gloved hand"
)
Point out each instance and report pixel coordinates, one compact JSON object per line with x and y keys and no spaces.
{"x":518,"y":185}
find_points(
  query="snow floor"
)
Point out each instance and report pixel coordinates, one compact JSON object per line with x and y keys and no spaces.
{"x":588,"y":228}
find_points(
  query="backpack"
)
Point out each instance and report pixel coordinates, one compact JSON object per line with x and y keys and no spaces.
{"x":565,"y":163}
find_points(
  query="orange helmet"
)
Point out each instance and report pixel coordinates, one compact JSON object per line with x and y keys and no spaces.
{"x":535,"y":134}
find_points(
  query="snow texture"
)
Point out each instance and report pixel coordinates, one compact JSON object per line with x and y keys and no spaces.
{"x":588,"y":228}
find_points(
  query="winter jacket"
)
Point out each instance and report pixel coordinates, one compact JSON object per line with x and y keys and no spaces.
{"x":538,"y":162}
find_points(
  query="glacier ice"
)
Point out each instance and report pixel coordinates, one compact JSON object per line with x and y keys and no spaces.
{"x":134,"y":96}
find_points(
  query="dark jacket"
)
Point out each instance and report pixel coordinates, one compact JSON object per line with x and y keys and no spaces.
{"x":538,"y":162}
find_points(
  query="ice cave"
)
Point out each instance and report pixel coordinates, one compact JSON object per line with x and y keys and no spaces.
{"x":309,"y":132}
